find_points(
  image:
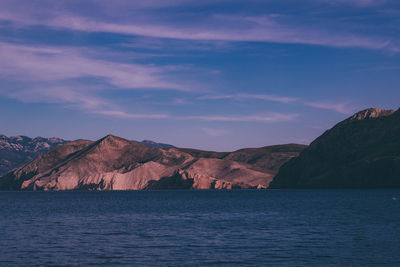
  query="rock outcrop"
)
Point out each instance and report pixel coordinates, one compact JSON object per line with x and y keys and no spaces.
{"x":114,"y":163}
{"x":362,"y":151}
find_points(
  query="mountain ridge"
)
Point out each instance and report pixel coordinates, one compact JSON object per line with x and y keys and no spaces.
{"x":114,"y":163}
{"x":20,"y":149}
{"x":17,"y":150}
{"x":362,"y":151}
{"x":371,"y":113}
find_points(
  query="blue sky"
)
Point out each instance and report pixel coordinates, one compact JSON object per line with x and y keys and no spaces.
{"x":218,"y":75}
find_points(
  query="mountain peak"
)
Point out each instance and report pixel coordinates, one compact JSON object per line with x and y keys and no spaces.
{"x":110,"y":137}
{"x":114,"y":141}
{"x":371,"y":113}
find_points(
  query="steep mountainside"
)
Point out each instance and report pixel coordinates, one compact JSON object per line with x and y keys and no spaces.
{"x":17,"y":150}
{"x":113,"y":163}
{"x":362,"y":151}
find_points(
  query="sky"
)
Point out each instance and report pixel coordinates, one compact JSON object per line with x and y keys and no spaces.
{"x":216,"y":75}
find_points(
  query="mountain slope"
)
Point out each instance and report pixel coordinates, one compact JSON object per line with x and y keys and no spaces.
{"x":362,"y":151}
{"x":155,"y":144}
{"x":17,"y":150}
{"x":267,"y":159}
{"x":113,"y":163}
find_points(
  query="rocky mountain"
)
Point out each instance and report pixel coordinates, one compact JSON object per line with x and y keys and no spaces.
{"x":362,"y":151}
{"x":17,"y":150}
{"x":156,"y":145}
{"x":114,"y":163}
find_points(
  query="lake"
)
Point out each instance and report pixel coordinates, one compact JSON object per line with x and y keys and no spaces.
{"x":203,"y":228}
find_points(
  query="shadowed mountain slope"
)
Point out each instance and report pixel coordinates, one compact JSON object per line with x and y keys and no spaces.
{"x":362,"y":151}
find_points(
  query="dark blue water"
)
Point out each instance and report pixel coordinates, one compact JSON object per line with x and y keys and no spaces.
{"x":186,"y":228}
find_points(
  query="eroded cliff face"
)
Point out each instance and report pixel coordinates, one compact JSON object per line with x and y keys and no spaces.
{"x":113,"y":163}
{"x":362,"y":151}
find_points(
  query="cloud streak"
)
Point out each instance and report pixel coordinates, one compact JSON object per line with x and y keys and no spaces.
{"x":269,"y":117}
{"x":46,"y":68}
{"x":52,"y":64}
{"x":254,"y":32}
{"x":266,"y":97}
{"x":343,"y":108}
{"x":46,"y":74}
{"x":215,"y":27}
{"x":126,"y":115}
{"x":55,"y":73}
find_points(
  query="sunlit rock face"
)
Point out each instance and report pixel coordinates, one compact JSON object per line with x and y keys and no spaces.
{"x":371,"y":113}
{"x":362,"y":151}
{"x":17,"y":150}
{"x":114,"y":163}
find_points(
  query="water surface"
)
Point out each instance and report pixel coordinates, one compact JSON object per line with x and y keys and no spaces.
{"x":206,"y":228}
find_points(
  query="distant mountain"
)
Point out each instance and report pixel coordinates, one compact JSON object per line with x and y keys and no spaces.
{"x":362,"y":151}
{"x":156,"y":145}
{"x":266,"y":159}
{"x":17,"y":150}
{"x":114,"y":163}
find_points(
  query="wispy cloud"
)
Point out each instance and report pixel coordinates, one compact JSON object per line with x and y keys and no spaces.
{"x":44,"y":67}
{"x":46,"y":74}
{"x":343,"y":108}
{"x":77,"y":99}
{"x":274,"y":98}
{"x":50,"y":70}
{"x":126,"y":115}
{"x":73,"y":97}
{"x":254,"y":31}
{"x":231,"y":28}
{"x":270,"y":117}
{"x":50,"y":64}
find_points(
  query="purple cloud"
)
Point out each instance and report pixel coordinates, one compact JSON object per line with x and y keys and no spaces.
{"x":274,"y":98}
{"x":51,"y":64}
{"x":270,"y":117}
{"x":217,"y":27}
{"x":342,"y":108}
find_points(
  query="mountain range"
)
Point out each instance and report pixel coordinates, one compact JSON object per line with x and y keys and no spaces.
{"x":362,"y":151}
{"x":114,"y":163}
{"x":17,"y":150}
